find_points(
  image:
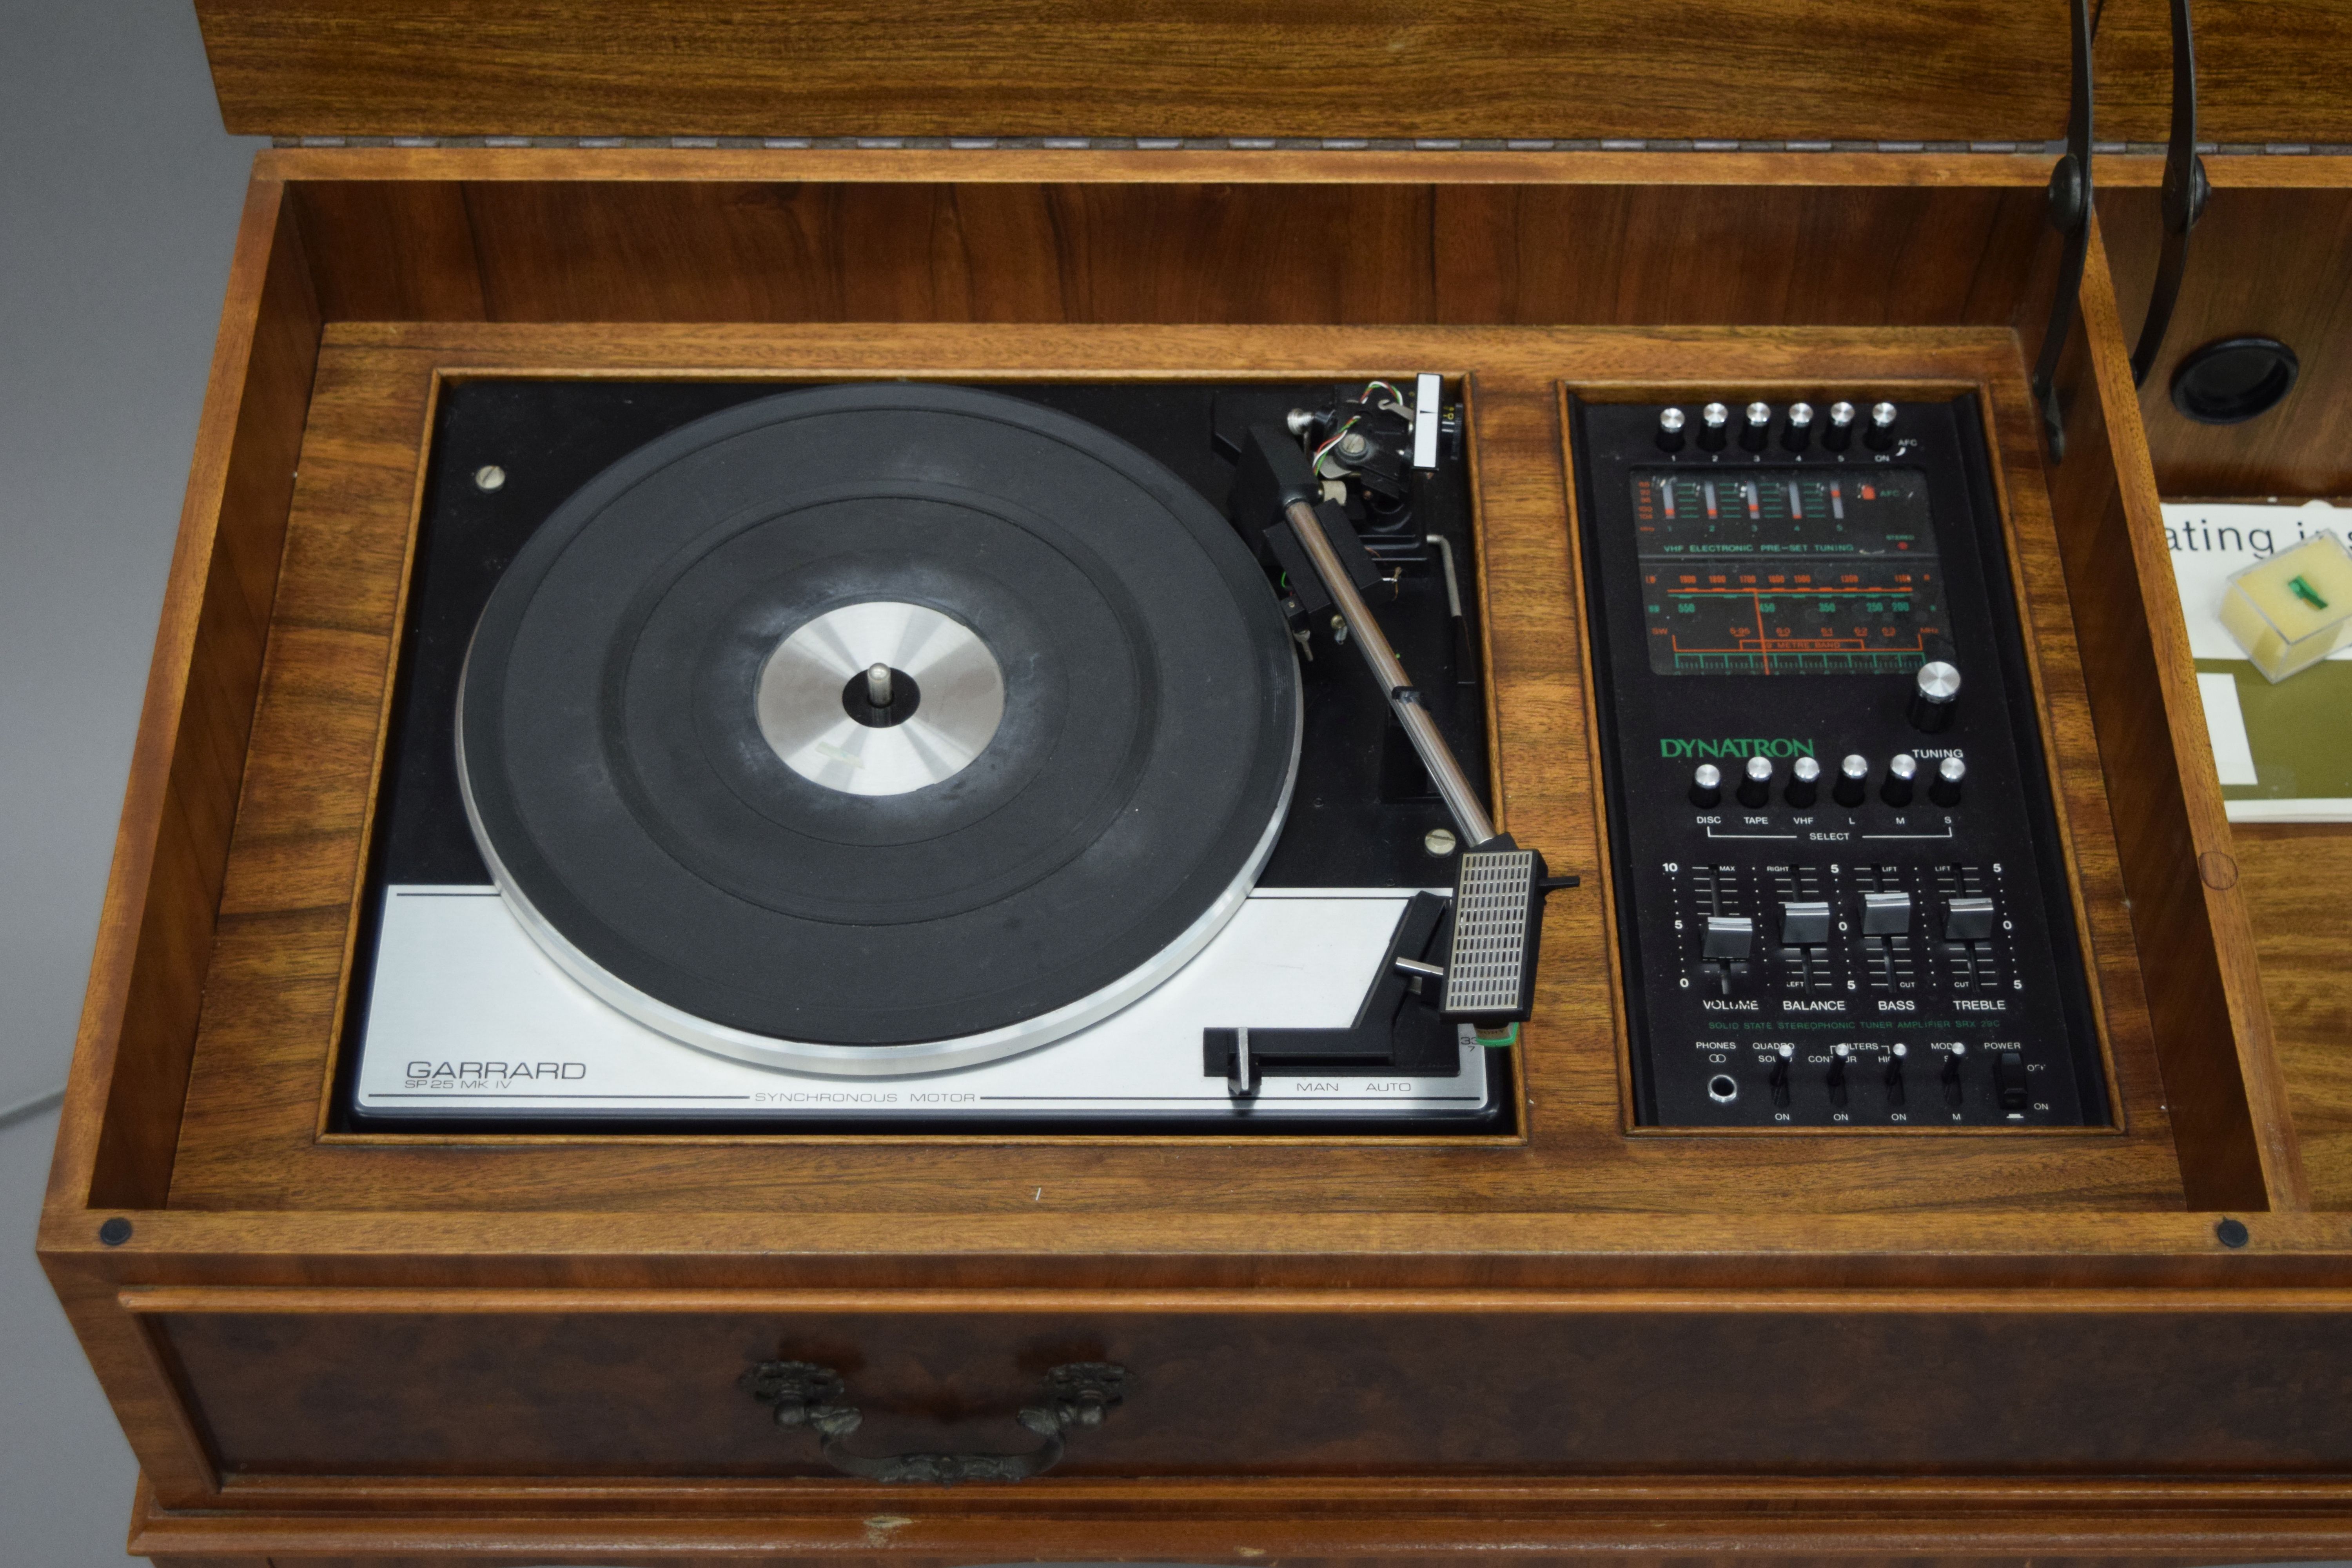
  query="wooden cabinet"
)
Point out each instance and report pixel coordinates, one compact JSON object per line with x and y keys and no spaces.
{"x":332,"y":1346}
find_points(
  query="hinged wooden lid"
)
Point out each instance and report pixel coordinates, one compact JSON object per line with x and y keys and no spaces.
{"x":1950,"y":71}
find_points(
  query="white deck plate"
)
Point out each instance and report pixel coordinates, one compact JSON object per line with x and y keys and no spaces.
{"x":467,"y":1018}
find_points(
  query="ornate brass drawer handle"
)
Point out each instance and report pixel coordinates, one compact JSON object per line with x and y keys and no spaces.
{"x":807,"y":1395}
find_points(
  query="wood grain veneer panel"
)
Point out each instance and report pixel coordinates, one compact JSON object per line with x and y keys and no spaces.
{"x":2262,"y":262}
{"x":251,"y":1131}
{"x":1429,"y":1395}
{"x":1640,"y":255}
{"x":1284,"y":249}
{"x":2212,"y":1034}
{"x":2296,"y":880}
{"x":174,"y":843}
{"x":1937,"y":70}
{"x":2267,"y":72}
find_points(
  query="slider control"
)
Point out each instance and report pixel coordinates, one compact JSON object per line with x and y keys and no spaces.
{"x":1967,"y":919}
{"x":1885,"y":914}
{"x":1728,"y":937}
{"x":1804,"y":924}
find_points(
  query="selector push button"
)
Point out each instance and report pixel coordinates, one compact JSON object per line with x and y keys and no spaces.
{"x":1967,"y":919}
{"x":1758,"y":424}
{"x":1755,"y":785}
{"x":1902,"y":770}
{"x":1946,"y":788}
{"x":1707,"y":784}
{"x":1728,"y":936}
{"x":1881,"y":426}
{"x":1670,"y":429}
{"x":1853,"y":774}
{"x":1885,"y":914}
{"x":1804,"y":925}
{"x":1798,"y":431}
{"x":1804,"y":779}
{"x":1838,"y":432}
{"x":1712,"y":421}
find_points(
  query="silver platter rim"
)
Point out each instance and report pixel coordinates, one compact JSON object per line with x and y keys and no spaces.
{"x":881,"y":1061}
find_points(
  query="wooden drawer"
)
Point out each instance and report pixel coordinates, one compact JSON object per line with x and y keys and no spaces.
{"x":1662,"y":1386}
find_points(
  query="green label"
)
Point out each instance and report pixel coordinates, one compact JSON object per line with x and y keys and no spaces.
{"x":1734,"y":746}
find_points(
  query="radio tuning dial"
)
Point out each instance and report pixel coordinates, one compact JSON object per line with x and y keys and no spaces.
{"x":1756,"y":787}
{"x":1853,"y":774}
{"x":1670,"y":429}
{"x":1760,"y":422}
{"x":1798,"y":431}
{"x":1712,"y":420}
{"x":1804,"y":779}
{"x":1946,"y":788}
{"x":1881,"y":426}
{"x":1902,"y":769}
{"x":1935,"y":693}
{"x":1838,"y":433}
{"x":1707,"y":785}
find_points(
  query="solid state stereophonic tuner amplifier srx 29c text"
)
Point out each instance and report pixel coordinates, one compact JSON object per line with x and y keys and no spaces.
{"x":1842,"y":898}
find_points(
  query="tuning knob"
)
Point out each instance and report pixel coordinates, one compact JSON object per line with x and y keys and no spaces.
{"x":1945,"y":789}
{"x":1670,"y":429}
{"x":1756,"y":786}
{"x":1712,"y":420}
{"x":1881,"y":426}
{"x":1853,"y":774}
{"x":1707,"y":785}
{"x":1838,"y":433}
{"x":1804,"y":778}
{"x":1902,"y":769}
{"x":1798,"y":431}
{"x":1758,"y":424}
{"x":1935,"y":693}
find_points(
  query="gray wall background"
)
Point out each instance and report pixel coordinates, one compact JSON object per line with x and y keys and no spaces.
{"x":119,"y":196}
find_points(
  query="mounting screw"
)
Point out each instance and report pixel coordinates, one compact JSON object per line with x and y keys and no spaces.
{"x":115,"y":1232}
{"x":2232,"y":1233}
{"x":1438,"y":841}
{"x":489,"y":477}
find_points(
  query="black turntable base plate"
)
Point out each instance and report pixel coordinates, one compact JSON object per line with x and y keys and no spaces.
{"x":620,"y":775}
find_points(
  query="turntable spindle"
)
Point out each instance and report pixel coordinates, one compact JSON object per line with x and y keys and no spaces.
{"x":878,"y":685}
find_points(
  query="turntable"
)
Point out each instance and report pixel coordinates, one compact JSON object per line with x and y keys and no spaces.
{"x":882,"y":754}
